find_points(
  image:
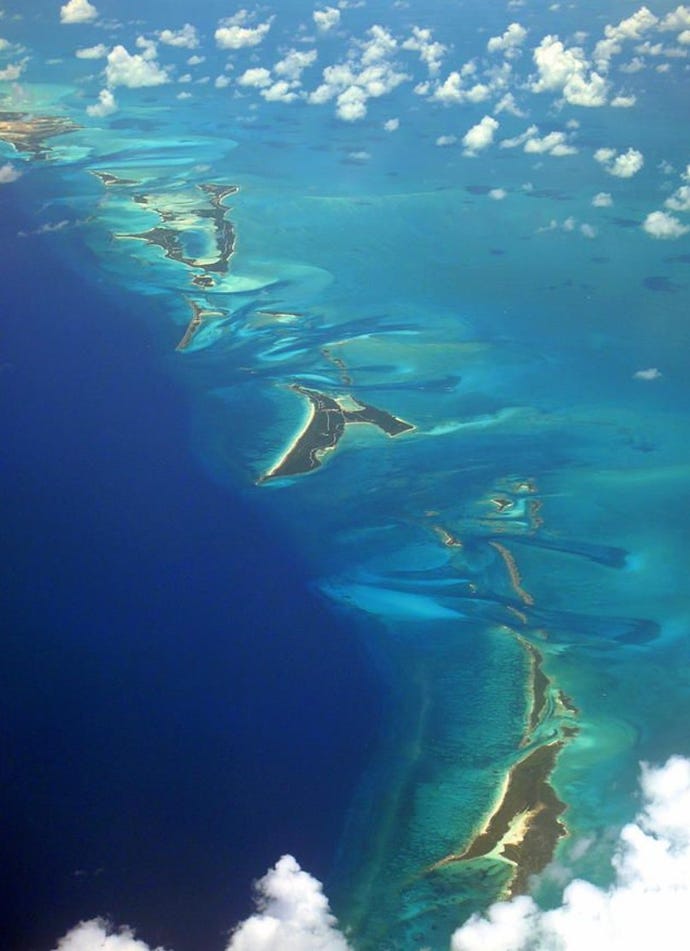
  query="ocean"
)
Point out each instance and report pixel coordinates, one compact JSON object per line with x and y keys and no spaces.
{"x":345,"y":430}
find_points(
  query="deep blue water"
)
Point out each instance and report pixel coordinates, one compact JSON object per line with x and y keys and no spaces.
{"x":176,"y":704}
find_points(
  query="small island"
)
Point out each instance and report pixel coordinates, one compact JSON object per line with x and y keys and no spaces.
{"x":27,"y":133}
{"x":324,"y":428}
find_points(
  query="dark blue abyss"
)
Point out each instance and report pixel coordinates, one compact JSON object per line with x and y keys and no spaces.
{"x":177,"y":710}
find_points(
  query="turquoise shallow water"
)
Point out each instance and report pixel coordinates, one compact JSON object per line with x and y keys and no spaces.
{"x":540,"y":497}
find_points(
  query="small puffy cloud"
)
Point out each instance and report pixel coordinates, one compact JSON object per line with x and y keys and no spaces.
{"x":258,"y":77}
{"x":679,"y":200}
{"x":566,"y":70}
{"x":352,"y":104}
{"x":92,"y":52}
{"x":294,"y":63}
{"x":623,"y":102}
{"x":621,"y":164}
{"x":553,"y":143}
{"x":391,"y":125}
{"x":221,"y":82}
{"x":280,"y":91}
{"x":508,"y":104}
{"x":234,"y":33}
{"x":453,"y":91}
{"x":105,"y":106}
{"x":498,"y":194}
{"x":78,"y":11}
{"x":134,"y":70}
{"x":510,"y":40}
{"x":12,"y":71}
{"x":196,"y":60}
{"x":480,"y":136}
{"x":678,"y":19}
{"x":651,"y":373}
{"x":8,"y":173}
{"x":186,"y":38}
{"x":430,"y":51}
{"x":445,"y":140}
{"x":631,"y":28}
{"x":602,"y":200}
{"x":588,"y":231}
{"x":645,"y":907}
{"x":659,"y":224}
{"x":326,"y":19}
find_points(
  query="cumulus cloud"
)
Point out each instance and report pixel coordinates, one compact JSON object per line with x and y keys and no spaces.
{"x":453,"y":90}
{"x":105,"y":106}
{"x":567,"y":71}
{"x":498,"y":194}
{"x":445,"y":140}
{"x":602,"y":200}
{"x":651,"y":373}
{"x":92,"y":52}
{"x":258,"y":77}
{"x":326,"y":19}
{"x":294,"y":63}
{"x":134,"y":70}
{"x":678,"y":19}
{"x":78,"y":11}
{"x":645,"y":908}
{"x":367,"y":74}
{"x":623,"y":102}
{"x":679,"y":200}
{"x":430,"y":51}
{"x":631,"y":28}
{"x":234,"y":33}
{"x":8,"y":173}
{"x":391,"y":125}
{"x":620,"y":164}
{"x":12,"y":71}
{"x":480,"y":136}
{"x":292,"y":914}
{"x":509,"y":41}
{"x":186,"y":38}
{"x":553,"y":143}
{"x":659,"y":224}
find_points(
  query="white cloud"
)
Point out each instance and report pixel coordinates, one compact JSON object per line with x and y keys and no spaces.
{"x":678,"y":19}
{"x":588,"y":231}
{"x":621,"y":164}
{"x":292,"y":915}
{"x":445,"y":140}
{"x":352,"y":104}
{"x":196,"y":60}
{"x":326,"y":19}
{"x":553,"y":143}
{"x":221,"y":82}
{"x":134,"y":69}
{"x":623,"y":102}
{"x":631,"y":28}
{"x":510,"y":40}
{"x":645,"y":908}
{"x":391,"y":125}
{"x":234,"y":33}
{"x":186,"y":38}
{"x":651,"y":373}
{"x":430,"y":51}
{"x":105,"y":106}
{"x":258,"y":77}
{"x":480,"y":136}
{"x":78,"y":11}
{"x":679,"y":200}
{"x":8,"y":173}
{"x":508,"y":104}
{"x":294,"y":62}
{"x":659,"y":224}
{"x":280,"y":91}
{"x":566,"y":70}
{"x":12,"y":71}
{"x":92,"y":52}
{"x":602,"y":200}
{"x":498,"y":194}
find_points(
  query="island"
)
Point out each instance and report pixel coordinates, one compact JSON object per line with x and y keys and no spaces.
{"x":27,"y":133}
{"x":324,"y":428}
